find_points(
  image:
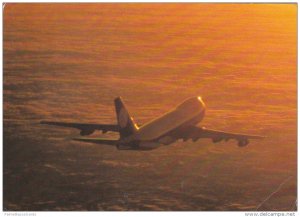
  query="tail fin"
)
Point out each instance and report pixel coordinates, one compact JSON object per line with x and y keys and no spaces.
{"x":125,"y":121}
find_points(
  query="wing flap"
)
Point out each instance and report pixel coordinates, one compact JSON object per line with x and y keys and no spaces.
{"x":102,"y":141}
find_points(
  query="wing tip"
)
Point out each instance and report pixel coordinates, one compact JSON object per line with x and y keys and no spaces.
{"x":259,"y":137}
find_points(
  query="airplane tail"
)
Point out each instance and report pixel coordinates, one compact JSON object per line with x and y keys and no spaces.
{"x":125,"y":121}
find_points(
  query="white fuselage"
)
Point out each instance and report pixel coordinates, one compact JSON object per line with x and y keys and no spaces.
{"x":154,"y":133}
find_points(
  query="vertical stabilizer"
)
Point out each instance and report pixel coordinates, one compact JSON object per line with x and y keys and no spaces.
{"x":125,"y":121}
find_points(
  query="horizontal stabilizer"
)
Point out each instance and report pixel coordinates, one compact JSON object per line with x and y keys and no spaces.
{"x":97,"y":140}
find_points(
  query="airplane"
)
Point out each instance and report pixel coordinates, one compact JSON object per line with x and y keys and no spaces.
{"x":179,"y":123}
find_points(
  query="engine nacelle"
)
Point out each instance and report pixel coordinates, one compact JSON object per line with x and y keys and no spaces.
{"x":215,"y":140}
{"x":195,"y":139}
{"x":185,"y":139}
{"x":243,"y":143}
{"x":167,"y":140}
{"x":86,"y":132}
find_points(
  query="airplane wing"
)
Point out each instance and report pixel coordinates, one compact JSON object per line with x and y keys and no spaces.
{"x":112,"y":142}
{"x":196,"y":133}
{"x":85,"y":129}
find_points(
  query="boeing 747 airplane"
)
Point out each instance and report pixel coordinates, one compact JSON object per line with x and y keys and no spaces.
{"x":179,"y":123}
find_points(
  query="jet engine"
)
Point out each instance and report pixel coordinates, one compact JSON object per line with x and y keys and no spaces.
{"x":195,"y":139}
{"x":86,"y":132}
{"x":243,"y":143}
{"x":215,"y":140}
{"x":167,"y":140}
